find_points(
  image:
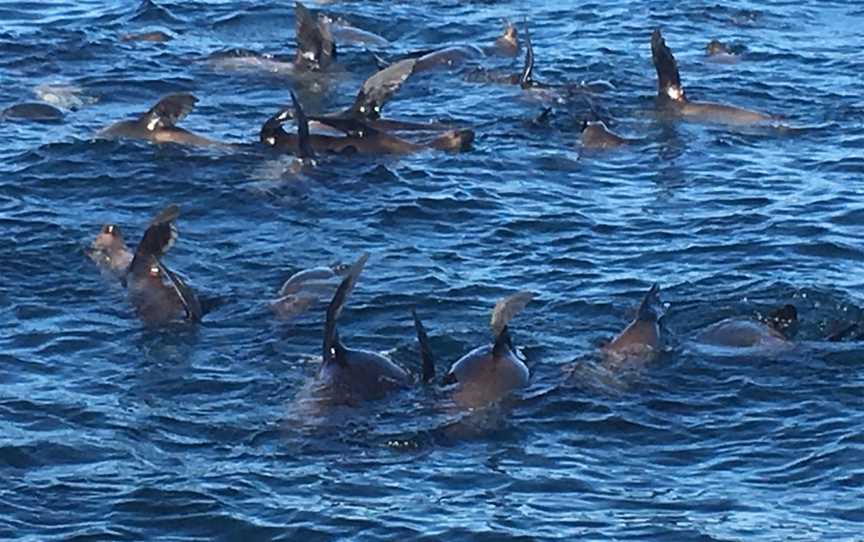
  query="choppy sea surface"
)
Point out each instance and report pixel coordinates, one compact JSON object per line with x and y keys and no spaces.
{"x":113,"y":431}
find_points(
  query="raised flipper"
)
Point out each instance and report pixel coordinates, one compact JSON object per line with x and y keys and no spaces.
{"x":185,"y":294}
{"x":651,"y":306}
{"x":428,"y":360}
{"x":333,"y":349}
{"x":668,"y":79}
{"x":304,"y":146}
{"x":168,"y":111}
{"x":526,"y":78}
{"x":506,"y":309}
{"x":378,"y":89}
{"x":316,"y":49}
{"x":158,"y":239}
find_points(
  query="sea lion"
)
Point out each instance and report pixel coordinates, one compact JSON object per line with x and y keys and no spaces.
{"x":345,"y":32}
{"x":595,"y":135}
{"x":640,"y":341}
{"x":507,"y":44}
{"x":672,"y":99}
{"x":723,"y":53}
{"x":489,"y":372}
{"x":35,"y":111}
{"x":776,"y":330}
{"x":305,"y":288}
{"x":156,"y":36}
{"x":158,"y":124}
{"x":366,"y":140}
{"x":349,"y":375}
{"x":157,"y":302}
{"x":110,"y":252}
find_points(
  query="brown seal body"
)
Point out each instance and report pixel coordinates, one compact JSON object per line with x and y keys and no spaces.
{"x":595,"y":135}
{"x":775,"y":330}
{"x":671,"y":97}
{"x":158,"y":124}
{"x":640,"y":341}
{"x":35,"y":111}
{"x":110,"y":252}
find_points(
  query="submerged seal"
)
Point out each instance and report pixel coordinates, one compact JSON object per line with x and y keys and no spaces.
{"x":489,"y":372}
{"x":348,"y":375}
{"x":775,"y":330}
{"x":158,"y":124}
{"x":671,"y":97}
{"x":305,"y":288}
{"x":640,"y":341}
{"x":507,"y":44}
{"x":595,"y":135}
{"x":155,"y":36}
{"x":360,"y":137}
{"x":34,"y":111}
{"x":158,"y":294}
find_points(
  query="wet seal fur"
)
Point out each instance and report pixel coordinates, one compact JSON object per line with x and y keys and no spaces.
{"x":507,"y":45}
{"x":489,"y":372}
{"x":777,"y":329}
{"x":158,"y":124}
{"x":349,"y":375}
{"x":306,"y":288}
{"x":671,"y":97}
{"x":641,"y":341}
{"x":158,"y":294}
{"x":360,"y":138}
{"x":595,"y":135}
{"x":34,"y":111}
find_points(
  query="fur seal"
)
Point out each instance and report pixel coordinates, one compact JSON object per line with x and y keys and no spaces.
{"x":507,"y":44}
{"x":775,"y":330}
{"x":109,"y":251}
{"x":156,"y":36}
{"x":157,"y":302}
{"x":349,"y":375}
{"x":365,"y":139}
{"x":305,"y":288}
{"x":640,"y":341}
{"x":489,"y":372}
{"x":158,"y":124}
{"x":672,"y":99}
{"x":345,"y":32}
{"x":595,"y":135}
{"x":35,"y":111}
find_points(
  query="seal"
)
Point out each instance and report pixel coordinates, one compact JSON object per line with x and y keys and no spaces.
{"x":723,"y":53}
{"x":109,"y":251}
{"x":345,"y":32}
{"x":595,"y":135}
{"x":776,"y":330}
{"x":158,"y":294}
{"x":35,"y":111}
{"x":306,"y":288}
{"x":348,"y":375}
{"x":672,"y":99}
{"x":360,"y":137}
{"x":488,"y":372}
{"x":453,"y":56}
{"x":155,"y":36}
{"x":158,"y":124}
{"x":640,"y":341}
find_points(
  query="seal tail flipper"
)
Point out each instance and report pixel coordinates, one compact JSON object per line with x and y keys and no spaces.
{"x":526,"y":78}
{"x":379,"y":88}
{"x":668,"y":79}
{"x":168,"y":111}
{"x":332,"y":344}
{"x":454,"y":140}
{"x":185,"y":294}
{"x":315,"y":46}
{"x":506,"y":309}
{"x":426,"y":356}
{"x":650,"y":305}
{"x":159,"y":237}
{"x":304,"y":145}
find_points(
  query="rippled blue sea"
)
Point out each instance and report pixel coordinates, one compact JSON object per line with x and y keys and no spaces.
{"x":113,"y":431}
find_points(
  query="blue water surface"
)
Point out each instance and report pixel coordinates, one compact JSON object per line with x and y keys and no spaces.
{"x":113,"y":431}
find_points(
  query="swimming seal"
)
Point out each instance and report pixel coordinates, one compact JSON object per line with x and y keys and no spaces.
{"x":158,"y":124}
{"x":34,"y":111}
{"x":775,"y":330}
{"x":157,"y":302}
{"x":349,"y":375}
{"x":109,"y":251}
{"x":595,"y":135}
{"x":640,"y":341}
{"x":489,"y":372}
{"x":456,"y":55}
{"x":366,"y":140}
{"x":305,"y":288}
{"x":672,"y":99}
{"x":156,"y":36}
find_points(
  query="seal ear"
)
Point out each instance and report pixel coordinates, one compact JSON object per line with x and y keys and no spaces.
{"x":332,"y":344}
{"x":668,"y":80}
{"x":168,"y":111}
{"x":428,"y":360}
{"x":304,"y":145}
{"x":526,"y":78}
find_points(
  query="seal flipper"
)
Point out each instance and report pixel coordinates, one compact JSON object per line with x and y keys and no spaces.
{"x":304,"y":146}
{"x":426,"y":356}
{"x":168,"y":111}
{"x":668,"y":79}
{"x":648,"y":309}
{"x":316,"y":49}
{"x":333,"y":349}
{"x":379,"y":88}
{"x":185,"y":294}
{"x":159,"y":237}
{"x":503,"y":344}
{"x":526,"y":78}
{"x":505,"y":309}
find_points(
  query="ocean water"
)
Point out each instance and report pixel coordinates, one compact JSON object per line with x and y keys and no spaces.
{"x":113,"y":431}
